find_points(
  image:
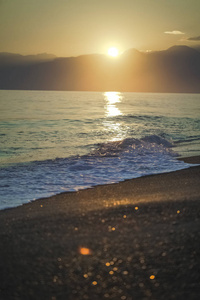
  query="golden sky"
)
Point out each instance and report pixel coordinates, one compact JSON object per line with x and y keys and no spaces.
{"x":75,"y":27}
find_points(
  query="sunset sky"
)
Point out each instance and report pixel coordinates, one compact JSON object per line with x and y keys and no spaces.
{"x":75,"y":27}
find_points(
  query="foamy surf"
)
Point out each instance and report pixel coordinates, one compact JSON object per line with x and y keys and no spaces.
{"x":109,"y":162}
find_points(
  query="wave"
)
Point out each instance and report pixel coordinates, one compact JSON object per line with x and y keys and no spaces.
{"x":115,"y":148}
{"x":131,"y":148}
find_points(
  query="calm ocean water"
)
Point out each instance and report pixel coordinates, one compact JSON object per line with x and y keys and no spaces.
{"x":52,"y":142}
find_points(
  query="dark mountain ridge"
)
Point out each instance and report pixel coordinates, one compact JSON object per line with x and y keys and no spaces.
{"x":176,"y":69}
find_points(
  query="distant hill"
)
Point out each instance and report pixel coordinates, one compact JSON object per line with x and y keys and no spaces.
{"x":176,"y":69}
{"x":7,"y":58}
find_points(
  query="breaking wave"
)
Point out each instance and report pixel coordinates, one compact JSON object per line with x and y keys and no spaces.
{"x":139,"y":146}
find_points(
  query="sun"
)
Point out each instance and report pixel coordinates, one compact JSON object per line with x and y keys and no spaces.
{"x":114,"y":52}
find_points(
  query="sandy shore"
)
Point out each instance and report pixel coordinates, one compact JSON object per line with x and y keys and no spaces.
{"x":137,"y":239}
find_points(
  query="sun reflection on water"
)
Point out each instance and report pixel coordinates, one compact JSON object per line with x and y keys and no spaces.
{"x":111,"y":110}
{"x":112,"y":98}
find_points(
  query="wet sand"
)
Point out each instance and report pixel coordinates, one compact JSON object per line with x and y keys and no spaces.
{"x":138,"y":239}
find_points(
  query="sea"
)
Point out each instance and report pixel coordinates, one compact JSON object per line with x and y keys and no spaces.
{"x":58,"y":141}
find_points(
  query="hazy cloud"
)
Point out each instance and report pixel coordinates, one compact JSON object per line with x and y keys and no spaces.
{"x":174,"y":32}
{"x":195,"y":38}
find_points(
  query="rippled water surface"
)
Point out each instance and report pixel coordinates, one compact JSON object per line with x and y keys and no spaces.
{"x":62,"y":141}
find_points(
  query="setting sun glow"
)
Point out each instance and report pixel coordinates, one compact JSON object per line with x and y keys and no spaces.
{"x":113,"y":52}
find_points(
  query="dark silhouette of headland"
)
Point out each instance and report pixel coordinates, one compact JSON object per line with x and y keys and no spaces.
{"x":176,"y":69}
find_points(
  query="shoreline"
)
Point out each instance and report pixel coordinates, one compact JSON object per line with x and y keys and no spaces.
{"x":189,"y":160}
{"x":193,"y":160}
{"x":140,"y":236}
